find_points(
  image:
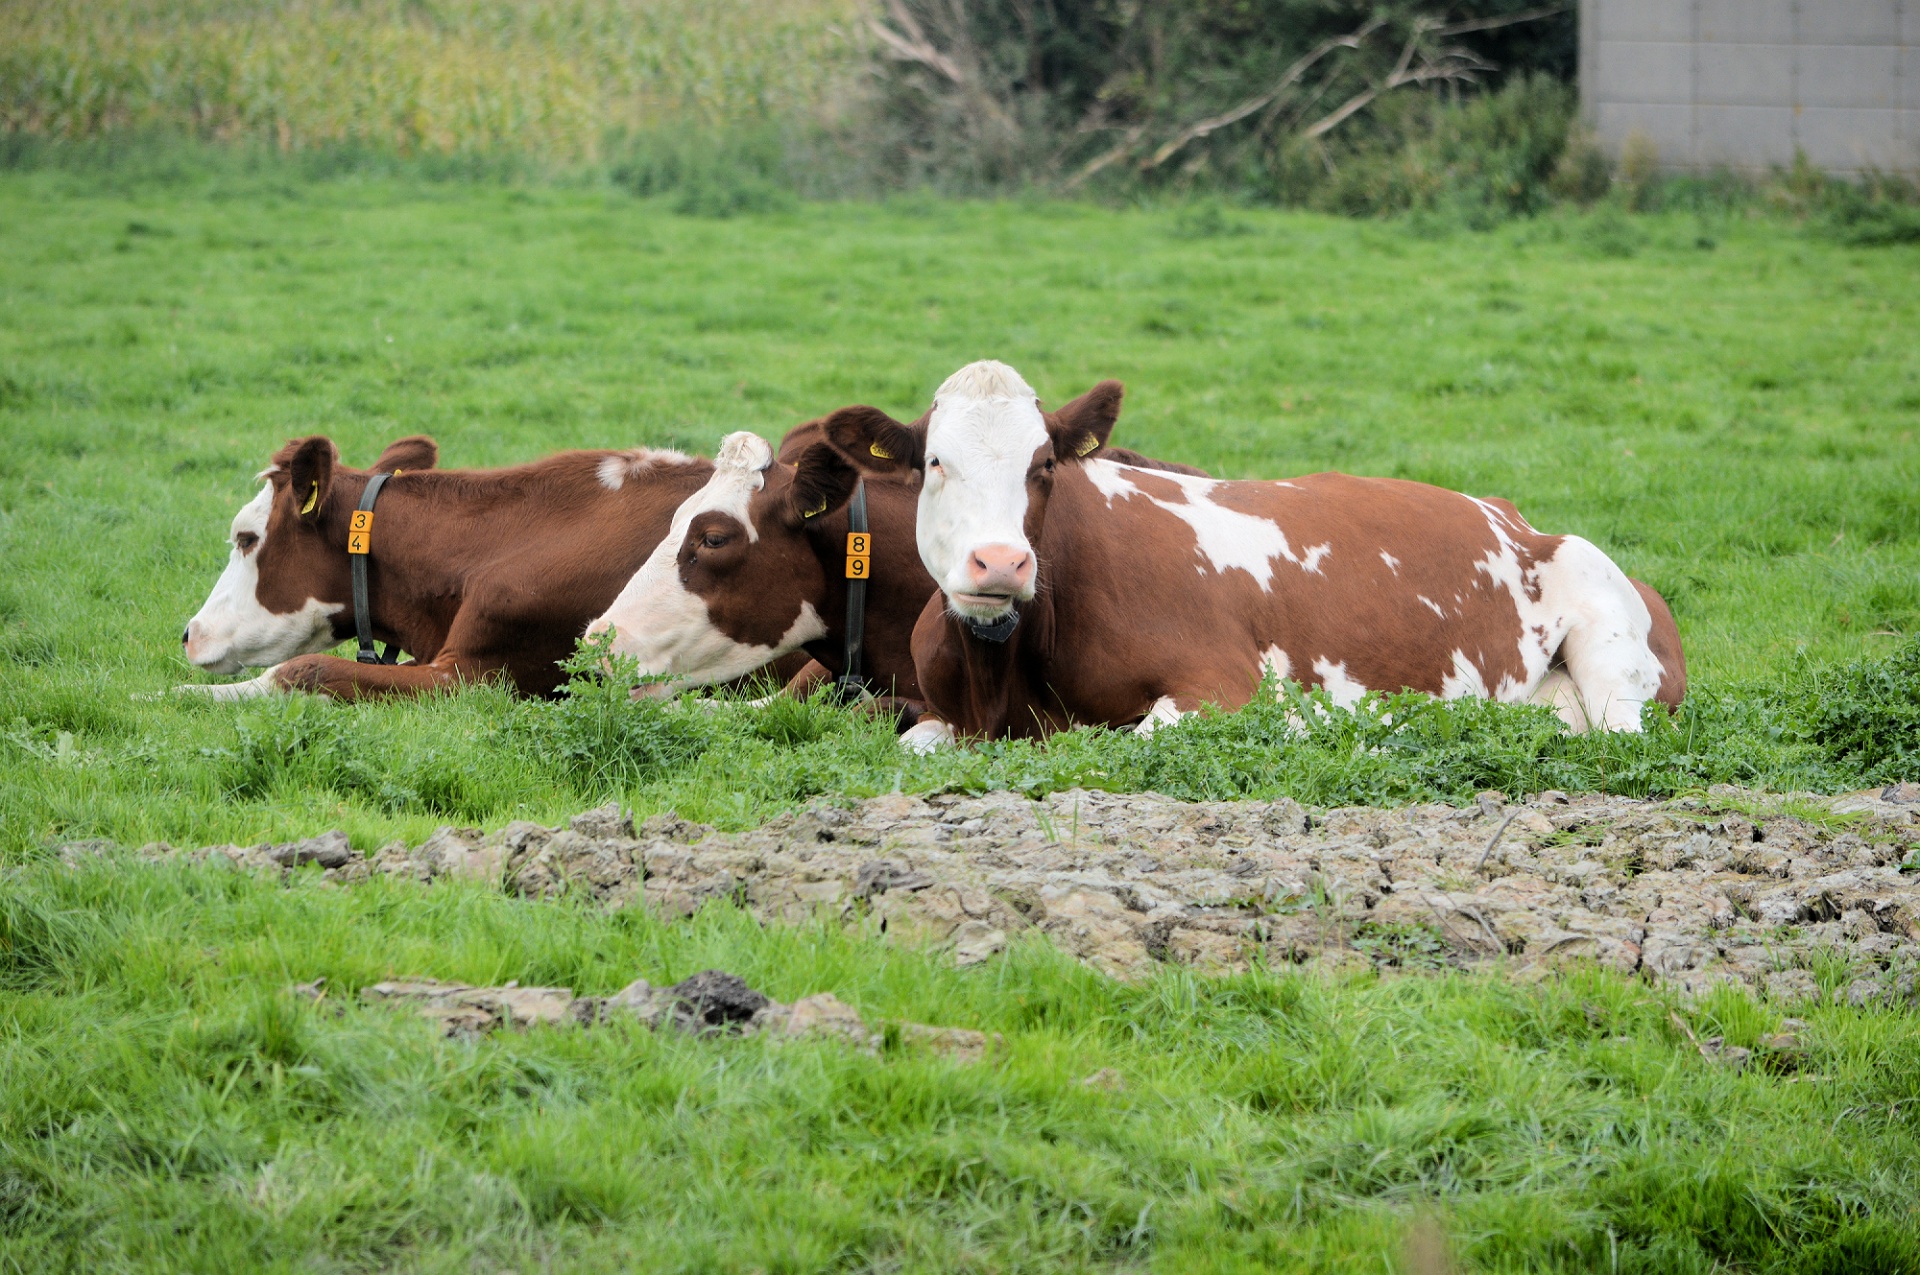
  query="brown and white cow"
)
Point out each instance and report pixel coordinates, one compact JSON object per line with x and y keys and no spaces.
{"x":475,"y":573}
{"x":1130,"y":596}
{"x":754,"y":565}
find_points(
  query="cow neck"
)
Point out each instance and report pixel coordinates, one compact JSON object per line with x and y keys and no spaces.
{"x":396,"y":599}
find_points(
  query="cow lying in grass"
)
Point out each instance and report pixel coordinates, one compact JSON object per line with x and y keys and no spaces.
{"x":1082,"y":591}
{"x":476,"y":573}
{"x":754,"y":566}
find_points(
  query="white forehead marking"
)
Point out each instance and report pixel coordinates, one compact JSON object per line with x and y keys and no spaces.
{"x":253,"y":515}
{"x":1227,"y":537}
{"x":739,"y":470}
{"x":984,"y":415}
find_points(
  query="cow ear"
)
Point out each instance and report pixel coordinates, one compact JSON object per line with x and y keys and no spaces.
{"x":417,"y":452}
{"x":822,"y":482}
{"x":308,"y":464}
{"x":874,"y":441}
{"x":1083,"y":426}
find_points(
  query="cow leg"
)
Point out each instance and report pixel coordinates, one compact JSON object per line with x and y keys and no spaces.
{"x":928,"y":735}
{"x":1607,"y":651}
{"x":252,"y":688}
{"x":351,"y":680}
{"x":1558,"y":692}
{"x":1165,"y":712}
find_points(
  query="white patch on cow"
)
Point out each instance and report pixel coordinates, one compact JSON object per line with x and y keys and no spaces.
{"x":665,"y":626}
{"x":1315,"y":555}
{"x":252,"y":688}
{"x":925,"y":736}
{"x":1275,"y":664}
{"x":1393,"y":563}
{"x":1341,"y":689}
{"x":1580,"y":607}
{"x":1431,"y":605}
{"x":1163,"y":713}
{"x":1227,"y":538}
{"x":233,"y":631}
{"x":983,"y":432}
{"x":613,"y":471}
{"x":1466,"y":679}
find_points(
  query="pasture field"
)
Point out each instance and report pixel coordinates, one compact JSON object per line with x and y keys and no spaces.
{"x":1723,"y":402}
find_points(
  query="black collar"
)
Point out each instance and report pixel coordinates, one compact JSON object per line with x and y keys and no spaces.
{"x":359,"y":549}
{"x":852,"y":684}
{"x":998,"y":631}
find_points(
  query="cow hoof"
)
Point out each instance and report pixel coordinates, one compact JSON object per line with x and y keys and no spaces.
{"x":927,"y":736}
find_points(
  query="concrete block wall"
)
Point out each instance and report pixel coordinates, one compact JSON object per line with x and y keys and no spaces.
{"x":1744,"y":83}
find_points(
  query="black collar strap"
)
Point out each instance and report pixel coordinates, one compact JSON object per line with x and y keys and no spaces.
{"x":997,"y":632}
{"x":852,"y":684}
{"x":359,"y":548}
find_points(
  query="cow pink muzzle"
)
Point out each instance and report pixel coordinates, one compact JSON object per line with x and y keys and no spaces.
{"x":997,"y":573}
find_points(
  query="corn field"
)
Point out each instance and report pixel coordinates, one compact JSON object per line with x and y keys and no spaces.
{"x":550,"y":78}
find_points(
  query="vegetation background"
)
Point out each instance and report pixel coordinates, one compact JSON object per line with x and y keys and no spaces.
{"x":524,"y":226}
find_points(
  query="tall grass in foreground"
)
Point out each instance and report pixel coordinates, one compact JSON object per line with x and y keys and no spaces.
{"x":551,"y":79}
{"x":164,"y":1105}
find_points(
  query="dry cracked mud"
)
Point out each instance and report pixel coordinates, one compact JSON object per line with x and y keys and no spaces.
{"x":1691,"y":893}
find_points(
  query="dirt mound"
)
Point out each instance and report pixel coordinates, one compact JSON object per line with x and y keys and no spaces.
{"x":1689,"y":892}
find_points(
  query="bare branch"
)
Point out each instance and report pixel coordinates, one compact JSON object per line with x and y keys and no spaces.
{"x":1193,"y":132}
{"x":1106,"y":157}
{"x":1504,"y":20}
{"x":914,"y":45}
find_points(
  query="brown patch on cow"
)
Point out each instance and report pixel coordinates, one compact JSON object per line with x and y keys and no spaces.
{"x":1665,"y":641}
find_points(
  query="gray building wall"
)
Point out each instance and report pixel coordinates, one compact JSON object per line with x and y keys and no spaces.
{"x":1742,"y":84}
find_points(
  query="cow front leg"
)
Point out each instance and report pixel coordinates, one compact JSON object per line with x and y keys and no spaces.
{"x":252,"y":688}
{"x":928,"y":735}
{"x":350,"y":680}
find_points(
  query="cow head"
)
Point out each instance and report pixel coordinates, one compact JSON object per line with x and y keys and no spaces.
{"x":286,"y":575}
{"x":736,"y":581}
{"x":988,"y":453}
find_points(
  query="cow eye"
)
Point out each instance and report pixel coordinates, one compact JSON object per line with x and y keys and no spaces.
{"x":245,"y":541}
{"x":713,"y":540}
{"x":933,"y":462}
{"x":1048,"y":466}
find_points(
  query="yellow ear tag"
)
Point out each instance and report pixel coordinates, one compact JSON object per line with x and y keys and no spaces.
{"x":1091,"y":444}
{"x":817,"y":510}
{"x":313,"y":499}
{"x":859,"y":555}
{"x":880,"y":451}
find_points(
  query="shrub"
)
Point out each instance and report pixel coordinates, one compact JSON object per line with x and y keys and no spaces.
{"x":1865,"y":716}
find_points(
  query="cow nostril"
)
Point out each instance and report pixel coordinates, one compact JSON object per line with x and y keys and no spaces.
{"x":186,"y":636}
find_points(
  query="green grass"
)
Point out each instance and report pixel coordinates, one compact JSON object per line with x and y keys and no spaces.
{"x":1734,"y":423}
{"x":165,"y":1106}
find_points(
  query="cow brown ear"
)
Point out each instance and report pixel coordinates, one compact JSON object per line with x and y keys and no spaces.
{"x":308,"y":464}
{"x":822,"y":482}
{"x":1083,"y":426}
{"x":875,"y":442}
{"x":417,"y":452}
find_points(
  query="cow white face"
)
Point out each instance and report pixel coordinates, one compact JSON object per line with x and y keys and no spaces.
{"x":233,"y":630}
{"x":987,"y":443}
{"x":703,"y":607}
